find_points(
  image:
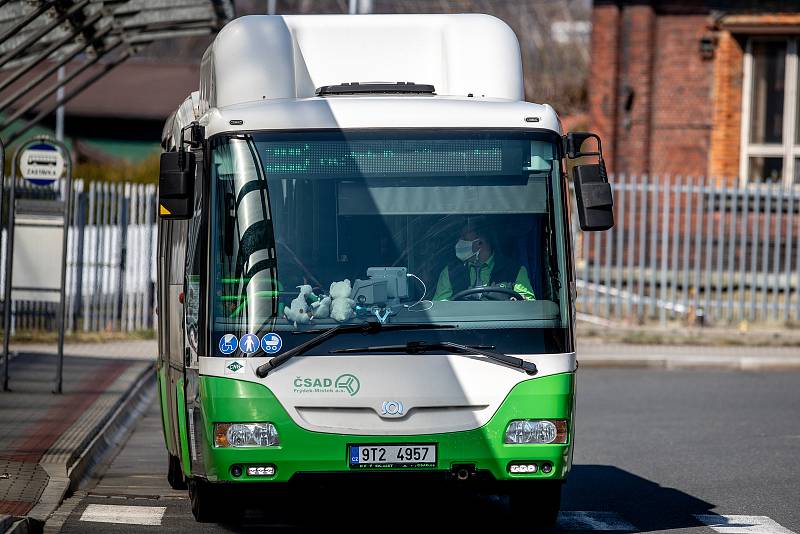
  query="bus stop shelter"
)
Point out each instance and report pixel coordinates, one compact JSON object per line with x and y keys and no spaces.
{"x":51,"y":33}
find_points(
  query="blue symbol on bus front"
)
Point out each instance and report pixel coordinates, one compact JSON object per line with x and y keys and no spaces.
{"x":249,"y":343}
{"x":354,"y":456}
{"x":271,"y":343}
{"x":228,"y":343}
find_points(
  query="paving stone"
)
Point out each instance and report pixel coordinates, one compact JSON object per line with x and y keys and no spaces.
{"x":42,"y":433}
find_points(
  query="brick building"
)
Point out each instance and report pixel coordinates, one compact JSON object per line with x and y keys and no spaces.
{"x":698,"y":87}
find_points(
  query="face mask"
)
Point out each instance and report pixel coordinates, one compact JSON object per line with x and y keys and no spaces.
{"x":464,"y":249}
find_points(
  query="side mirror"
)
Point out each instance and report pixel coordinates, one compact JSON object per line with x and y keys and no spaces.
{"x":176,"y":185}
{"x":592,"y":190}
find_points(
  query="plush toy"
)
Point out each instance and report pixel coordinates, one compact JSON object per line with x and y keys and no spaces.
{"x":299,"y":311}
{"x":322,"y":308}
{"x":341,"y":303}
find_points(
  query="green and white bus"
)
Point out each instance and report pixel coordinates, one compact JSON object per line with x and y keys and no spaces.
{"x":365,"y":280}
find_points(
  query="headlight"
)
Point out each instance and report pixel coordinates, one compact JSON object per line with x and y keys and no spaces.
{"x":245,"y":435}
{"x":525,"y":431}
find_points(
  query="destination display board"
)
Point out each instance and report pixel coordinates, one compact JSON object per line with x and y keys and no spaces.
{"x":387,"y":157}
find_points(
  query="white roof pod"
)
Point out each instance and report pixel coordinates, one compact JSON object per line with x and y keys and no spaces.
{"x":277,"y":57}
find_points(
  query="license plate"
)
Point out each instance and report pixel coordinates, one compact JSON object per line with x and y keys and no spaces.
{"x":392,"y":456}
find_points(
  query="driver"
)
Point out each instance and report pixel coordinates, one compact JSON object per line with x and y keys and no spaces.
{"x":477,"y":263}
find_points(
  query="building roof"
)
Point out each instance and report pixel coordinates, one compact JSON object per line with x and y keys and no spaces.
{"x":137,"y":90}
{"x":37,"y":37}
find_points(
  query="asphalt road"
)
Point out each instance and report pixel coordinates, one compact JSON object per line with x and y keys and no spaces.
{"x":655,"y":451}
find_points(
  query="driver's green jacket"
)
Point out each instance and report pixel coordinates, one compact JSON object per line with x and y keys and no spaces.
{"x":522,"y":285}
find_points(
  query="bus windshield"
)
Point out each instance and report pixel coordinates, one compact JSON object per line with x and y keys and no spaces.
{"x":314,"y":229}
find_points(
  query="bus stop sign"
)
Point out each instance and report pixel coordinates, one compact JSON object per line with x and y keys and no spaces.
{"x":41,"y":164}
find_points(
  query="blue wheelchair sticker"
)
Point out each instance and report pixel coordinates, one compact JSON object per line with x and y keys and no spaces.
{"x":271,"y":343}
{"x":228,"y":344}
{"x":249,"y":343}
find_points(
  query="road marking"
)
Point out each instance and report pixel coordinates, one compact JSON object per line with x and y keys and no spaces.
{"x":593,"y":521}
{"x":112,"y":513}
{"x":742,"y":524}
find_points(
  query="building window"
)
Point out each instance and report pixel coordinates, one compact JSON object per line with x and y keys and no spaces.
{"x":770,"y":112}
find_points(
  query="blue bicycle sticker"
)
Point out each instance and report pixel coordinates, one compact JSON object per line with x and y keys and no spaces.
{"x":228,"y":344}
{"x":249,"y":343}
{"x":271,"y":343}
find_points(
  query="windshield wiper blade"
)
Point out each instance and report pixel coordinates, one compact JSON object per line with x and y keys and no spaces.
{"x":418,"y":347}
{"x":412,"y":347}
{"x":362,"y":328}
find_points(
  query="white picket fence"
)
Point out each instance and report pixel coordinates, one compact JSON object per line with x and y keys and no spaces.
{"x":693,"y":249}
{"x":111,"y":270}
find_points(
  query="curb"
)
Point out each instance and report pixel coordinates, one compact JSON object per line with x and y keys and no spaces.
{"x":733,"y":363}
{"x":107,"y":435}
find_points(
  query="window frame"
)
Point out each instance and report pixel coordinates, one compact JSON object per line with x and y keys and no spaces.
{"x":789,"y":149}
{"x":562,"y":224}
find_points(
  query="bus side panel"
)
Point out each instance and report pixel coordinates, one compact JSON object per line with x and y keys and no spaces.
{"x":175,"y":371}
{"x":185,"y":457}
{"x":164,"y":403}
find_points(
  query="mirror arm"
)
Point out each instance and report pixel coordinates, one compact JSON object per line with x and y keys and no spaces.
{"x":573,"y":142}
{"x":196,"y":137}
{"x":574,"y":152}
{"x":602,"y":163}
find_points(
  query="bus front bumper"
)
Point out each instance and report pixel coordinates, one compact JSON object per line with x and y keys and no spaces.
{"x":477,"y":456}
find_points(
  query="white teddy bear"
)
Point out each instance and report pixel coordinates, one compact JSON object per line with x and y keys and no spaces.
{"x":298,"y":310}
{"x":341,"y":304}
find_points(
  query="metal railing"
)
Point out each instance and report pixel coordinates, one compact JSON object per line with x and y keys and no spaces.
{"x":683,"y":248}
{"x":693,"y":249}
{"x":110,"y":279}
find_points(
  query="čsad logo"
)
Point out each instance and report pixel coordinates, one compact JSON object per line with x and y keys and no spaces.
{"x":348,"y":383}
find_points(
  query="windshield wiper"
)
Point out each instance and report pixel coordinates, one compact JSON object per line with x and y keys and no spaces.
{"x":418,"y":347}
{"x":362,"y":328}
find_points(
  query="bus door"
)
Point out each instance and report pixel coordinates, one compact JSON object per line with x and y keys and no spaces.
{"x":174,"y":327}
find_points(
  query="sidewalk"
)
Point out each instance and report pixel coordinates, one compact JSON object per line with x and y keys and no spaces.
{"x":600,"y":354}
{"x":45,"y":436}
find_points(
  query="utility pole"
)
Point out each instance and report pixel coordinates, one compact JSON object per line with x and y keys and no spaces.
{"x":360,"y":7}
{"x":60,"y":109}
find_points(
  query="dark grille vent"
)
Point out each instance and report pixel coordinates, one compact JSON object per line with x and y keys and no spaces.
{"x":356,"y":88}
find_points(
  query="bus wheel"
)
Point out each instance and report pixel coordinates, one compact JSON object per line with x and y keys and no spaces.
{"x":205,"y":505}
{"x":539,"y":499}
{"x":175,"y":474}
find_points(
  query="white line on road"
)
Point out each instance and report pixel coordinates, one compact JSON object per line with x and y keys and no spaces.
{"x":136,"y":515}
{"x":593,"y":521}
{"x":743,"y":524}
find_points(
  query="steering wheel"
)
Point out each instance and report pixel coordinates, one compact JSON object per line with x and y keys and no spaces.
{"x":510,"y":293}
